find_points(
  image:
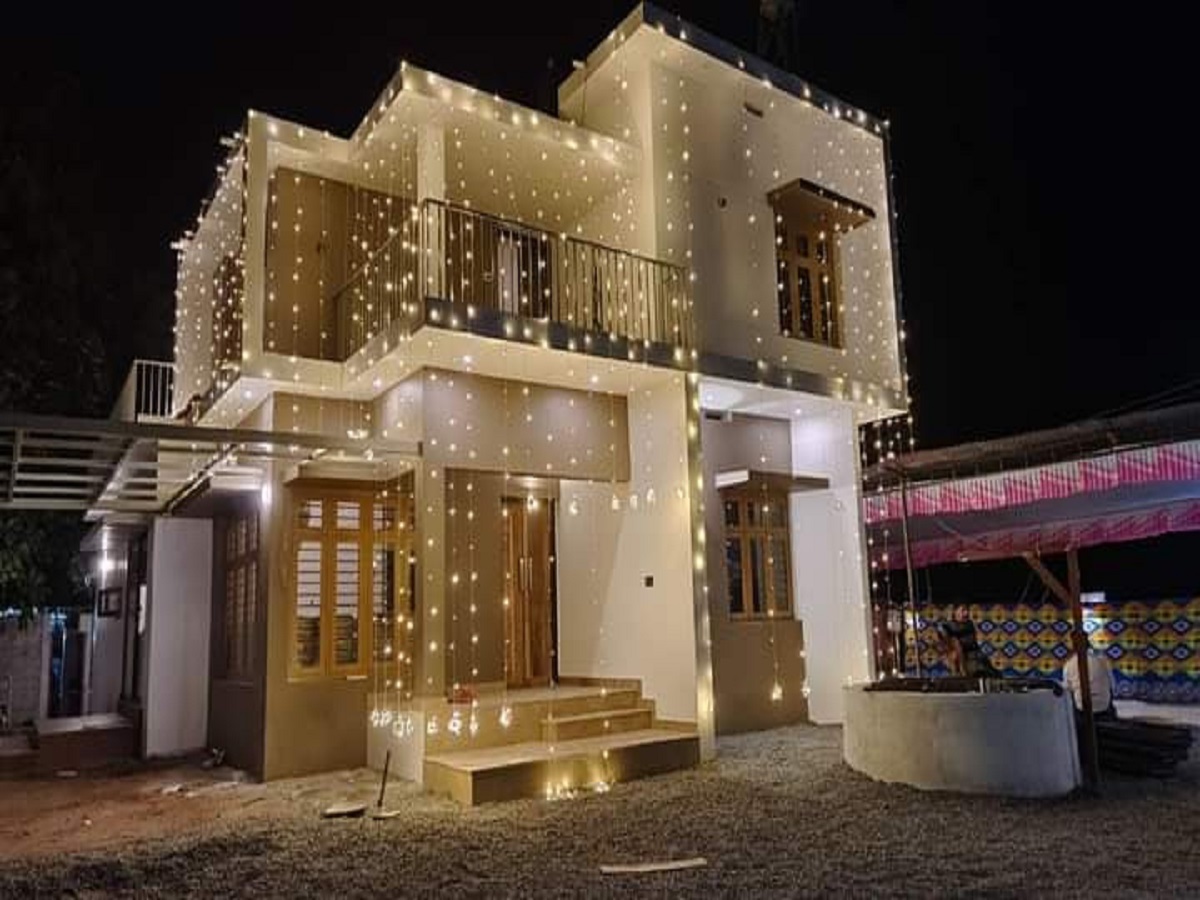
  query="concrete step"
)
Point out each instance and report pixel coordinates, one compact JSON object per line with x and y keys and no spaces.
{"x":542,"y":769}
{"x":527,"y":710}
{"x":17,"y":756}
{"x":596,"y":724}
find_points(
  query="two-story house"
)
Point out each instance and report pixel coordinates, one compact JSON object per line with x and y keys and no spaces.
{"x":589,"y":388}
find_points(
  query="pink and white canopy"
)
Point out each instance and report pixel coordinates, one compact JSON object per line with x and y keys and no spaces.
{"x":1121,"y":495}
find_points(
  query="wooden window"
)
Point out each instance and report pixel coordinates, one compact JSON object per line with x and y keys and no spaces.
{"x":336,"y":545}
{"x":757,"y":549}
{"x":810,"y":222}
{"x":240,"y":590}
{"x":805,"y":254}
{"x":307,"y":643}
{"x":108,"y":602}
{"x":393,"y":577}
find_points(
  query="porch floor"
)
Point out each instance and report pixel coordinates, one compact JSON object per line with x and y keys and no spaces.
{"x":555,"y":740}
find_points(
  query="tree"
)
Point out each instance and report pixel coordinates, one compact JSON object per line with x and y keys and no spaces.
{"x":53,"y":359}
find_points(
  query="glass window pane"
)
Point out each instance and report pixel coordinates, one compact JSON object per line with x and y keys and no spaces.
{"x":252,"y":534}
{"x":826,"y":308}
{"x":733,"y":573}
{"x":231,"y":623}
{"x":249,"y":617}
{"x":777,"y":559}
{"x":239,"y":617}
{"x":732,"y":509}
{"x":348,"y":515}
{"x":307,"y":648}
{"x":784,"y":293}
{"x":802,"y":244}
{"x":383,"y":600}
{"x":383,"y":514}
{"x":345,"y":612}
{"x":758,"y":576}
{"x":310,"y":514}
{"x":804,"y":300}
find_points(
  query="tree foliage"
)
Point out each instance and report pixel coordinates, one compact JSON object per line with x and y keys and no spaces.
{"x":53,"y":359}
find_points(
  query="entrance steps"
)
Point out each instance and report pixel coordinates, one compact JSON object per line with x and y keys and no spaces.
{"x":75,"y":743}
{"x":552,"y":741}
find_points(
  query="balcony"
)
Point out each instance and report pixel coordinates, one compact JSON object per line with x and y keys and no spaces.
{"x":148,"y":392}
{"x":483,"y":264}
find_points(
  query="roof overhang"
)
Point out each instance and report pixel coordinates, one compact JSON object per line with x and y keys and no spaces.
{"x":732,"y":479}
{"x":105,"y":467}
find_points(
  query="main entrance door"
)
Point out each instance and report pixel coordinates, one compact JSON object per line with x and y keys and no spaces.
{"x":530,"y":627}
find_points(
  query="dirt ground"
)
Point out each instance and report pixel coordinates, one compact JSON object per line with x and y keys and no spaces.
{"x":776,"y":814}
{"x":101,"y":810}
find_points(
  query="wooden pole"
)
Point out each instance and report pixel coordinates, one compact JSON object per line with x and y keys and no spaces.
{"x":908,"y":568}
{"x":387,"y":762}
{"x":1091,"y":752}
{"x":1070,"y":596}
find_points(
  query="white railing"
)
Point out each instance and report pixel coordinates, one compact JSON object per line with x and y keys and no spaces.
{"x":148,"y":392}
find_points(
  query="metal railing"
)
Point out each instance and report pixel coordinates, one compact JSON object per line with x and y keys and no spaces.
{"x":148,"y":392}
{"x":491,"y":264}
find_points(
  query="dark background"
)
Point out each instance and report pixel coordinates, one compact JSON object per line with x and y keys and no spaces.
{"x":1042,"y":155}
{"x":1045,"y":175}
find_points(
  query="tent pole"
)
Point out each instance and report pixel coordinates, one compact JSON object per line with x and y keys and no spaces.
{"x":908,"y":568}
{"x":1069,"y":594}
{"x":1091,"y":754}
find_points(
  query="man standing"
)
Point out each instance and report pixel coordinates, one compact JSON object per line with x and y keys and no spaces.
{"x":963,"y":652}
{"x":1100,"y":678}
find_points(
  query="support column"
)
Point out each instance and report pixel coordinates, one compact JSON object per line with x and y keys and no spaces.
{"x":705,"y":718}
{"x":431,"y":614}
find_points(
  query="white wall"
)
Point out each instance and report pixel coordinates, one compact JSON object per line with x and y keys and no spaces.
{"x":104,"y":667}
{"x":177,"y":630}
{"x":610,"y":623}
{"x":828,"y":562}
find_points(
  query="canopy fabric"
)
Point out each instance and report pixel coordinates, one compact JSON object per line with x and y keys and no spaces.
{"x":1122,"y":495}
{"x":1174,"y":462}
{"x":1052,"y":537}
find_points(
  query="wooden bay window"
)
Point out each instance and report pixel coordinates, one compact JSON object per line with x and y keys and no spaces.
{"x":757,"y":549}
{"x":352,"y":584}
{"x":240,"y":596}
{"x":810,"y":222}
{"x":331,"y":552}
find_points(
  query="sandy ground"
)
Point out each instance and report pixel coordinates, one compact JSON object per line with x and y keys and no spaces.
{"x":776,"y":814}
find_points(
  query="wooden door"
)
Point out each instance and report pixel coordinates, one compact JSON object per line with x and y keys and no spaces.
{"x":529,"y":572}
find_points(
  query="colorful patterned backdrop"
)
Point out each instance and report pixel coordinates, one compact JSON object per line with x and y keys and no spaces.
{"x":1153,"y":647}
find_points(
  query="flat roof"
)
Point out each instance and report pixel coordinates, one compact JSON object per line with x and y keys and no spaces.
{"x":679,"y":29}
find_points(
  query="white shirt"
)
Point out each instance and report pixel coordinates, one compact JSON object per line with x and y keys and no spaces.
{"x":1100,"y":676}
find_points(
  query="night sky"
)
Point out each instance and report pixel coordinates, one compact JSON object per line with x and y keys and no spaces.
{"x":1044,"y":175}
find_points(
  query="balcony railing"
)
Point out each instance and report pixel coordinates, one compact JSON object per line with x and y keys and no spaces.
{"x":148,"y":392}
{"x":489,"y":264}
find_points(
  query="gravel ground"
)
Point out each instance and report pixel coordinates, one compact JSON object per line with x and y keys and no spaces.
{"x":776,"y":814}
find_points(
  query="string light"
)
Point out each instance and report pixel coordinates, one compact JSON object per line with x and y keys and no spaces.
{"x":411,"y":216}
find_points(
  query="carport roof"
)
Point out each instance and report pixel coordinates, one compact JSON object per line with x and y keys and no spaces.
{"x":106,"y":466}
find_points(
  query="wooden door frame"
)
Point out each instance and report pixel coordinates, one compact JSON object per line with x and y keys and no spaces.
{"x":551,"y":645}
